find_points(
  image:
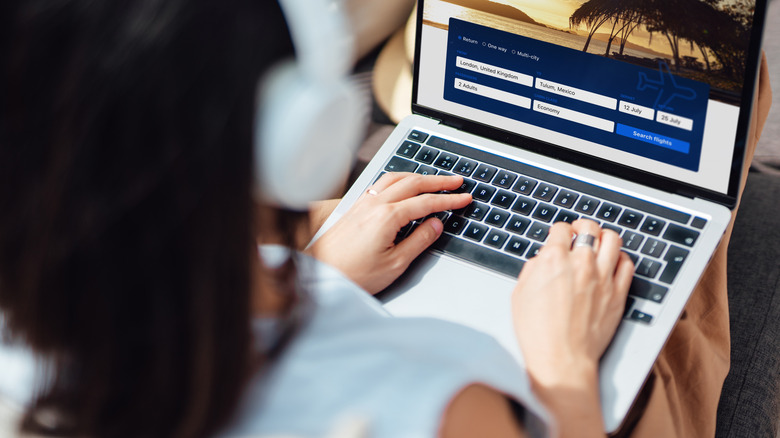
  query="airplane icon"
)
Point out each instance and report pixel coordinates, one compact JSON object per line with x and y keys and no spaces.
{"x":667,"y":87}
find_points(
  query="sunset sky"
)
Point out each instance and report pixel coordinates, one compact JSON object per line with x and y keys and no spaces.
{"x":551,"y":12}
{"x":556,"y":13}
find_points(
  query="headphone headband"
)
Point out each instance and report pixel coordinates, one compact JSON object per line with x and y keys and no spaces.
{"x":310,"y":116}
{"x":324,"y":46}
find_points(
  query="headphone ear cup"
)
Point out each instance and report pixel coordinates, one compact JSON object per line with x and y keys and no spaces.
{"x":306,"y":135}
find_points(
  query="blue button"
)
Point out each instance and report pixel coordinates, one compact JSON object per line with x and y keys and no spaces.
{"x":653,"y":138}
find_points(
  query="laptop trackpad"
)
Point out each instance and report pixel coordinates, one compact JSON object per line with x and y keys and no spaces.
{"x":452,"y":290}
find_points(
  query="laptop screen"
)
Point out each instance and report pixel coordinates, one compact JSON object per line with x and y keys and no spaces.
{"x":653,"y":86}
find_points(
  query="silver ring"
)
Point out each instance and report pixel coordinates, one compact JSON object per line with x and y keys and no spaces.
{"x":587,"y":240}
{"x":372,"y":192}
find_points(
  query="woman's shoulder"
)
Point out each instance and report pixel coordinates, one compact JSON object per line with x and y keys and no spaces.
{"x":353,"y":359}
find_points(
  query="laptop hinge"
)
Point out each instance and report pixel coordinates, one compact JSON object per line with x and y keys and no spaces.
{"x":451,"y":123}
{"x":686,"y":194}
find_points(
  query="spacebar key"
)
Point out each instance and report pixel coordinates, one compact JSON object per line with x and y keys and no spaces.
{"x":479,"y":254}
{"x":647,"y":290}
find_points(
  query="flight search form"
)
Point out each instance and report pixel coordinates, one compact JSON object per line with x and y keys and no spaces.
{"x":644,"y":111}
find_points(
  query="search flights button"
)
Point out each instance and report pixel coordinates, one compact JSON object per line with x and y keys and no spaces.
{"x":653,"y":138}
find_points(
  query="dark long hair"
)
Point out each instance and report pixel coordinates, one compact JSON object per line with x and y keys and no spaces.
{"x":126,"y":215}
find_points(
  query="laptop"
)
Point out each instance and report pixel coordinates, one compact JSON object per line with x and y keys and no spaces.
{"x":553,"y":111}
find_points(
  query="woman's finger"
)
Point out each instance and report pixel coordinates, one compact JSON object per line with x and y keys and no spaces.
{"x":424,"y":205}
{"x":583,"y":228}
{"x":609,"y":253}
{"x":560,"y":236}
{"x":624,"y":274}
{"x":417,"y":242}
{"x":388,"y":180}
{"x":414,"y":185}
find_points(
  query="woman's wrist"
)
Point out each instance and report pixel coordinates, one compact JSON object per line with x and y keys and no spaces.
{"x":571,"y":374}
{"x":572,"y":398}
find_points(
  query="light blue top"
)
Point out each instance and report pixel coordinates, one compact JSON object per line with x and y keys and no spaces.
{"x":351,"y":360}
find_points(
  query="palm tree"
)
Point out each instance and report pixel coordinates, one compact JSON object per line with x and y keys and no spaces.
{"x":718,"y":27}
{"x":593,"y":14}
{"x":625,"y":16}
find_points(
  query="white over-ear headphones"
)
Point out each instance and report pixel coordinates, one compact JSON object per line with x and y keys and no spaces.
{"x":310,"y":118}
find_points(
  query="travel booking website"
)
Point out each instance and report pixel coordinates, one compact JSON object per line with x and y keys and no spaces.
{"x":619,"y":87}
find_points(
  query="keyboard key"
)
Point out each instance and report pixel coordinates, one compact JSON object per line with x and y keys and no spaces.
{"x":446,"y":161}
{"x":517,"y":246}
{"x":467,"y":186}
{"x":426,"y":155}
{"x":681,"y":235}
{"x":518,"y":224}
{"x":538,"y":231}
{"x":545,"y":212}
{"x":587,"y":205}
{"x":426,"y":170}
{"x":408,"y":149}
{"x":418,"y":136}
{"x":524,"y":186}
{"x":398,"y":164}
{"x":699,"y":223}
{"x":653,"y":226}
{"x":545,"y":192}
{"x":484,"y":173}
{"x":634,"y":258}
{"x":504,"y":199}
{"x":534,"y":250}
{"x":653,"y":248}
{"x":611,"y":227}
{"x":484,"y":193}
{"x":496,"y":239}
{"x":636,"y":315}
{"x":478,"y":254}
{"x":497,"y":217}
{"x":475,"y":231}
{"x":566,"y":216}
{"x":465,"y":167}
{"x":504,"y":179}
{"x":650,"y":291}
{"x":630,"y":219}
{"x":524,"y":206}
{"x":566,"y":199}
{"x":477,"y":211}
{"x":632,"y":240}
{"x":608,"y":212}
{"x":442,"y":216}
{"x":401,"y":235}
{"x":629,"y":304}
{"x":455,"y":225}
{"x":648,"y":268}
{"x":675,"y":258}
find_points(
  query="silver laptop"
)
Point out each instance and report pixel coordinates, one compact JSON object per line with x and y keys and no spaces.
{"x":553,"y":111}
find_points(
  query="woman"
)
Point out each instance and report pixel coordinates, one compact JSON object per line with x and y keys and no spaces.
{"x":128,"y":257}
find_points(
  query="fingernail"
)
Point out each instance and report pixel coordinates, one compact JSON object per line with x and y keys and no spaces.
{"x":437,"y":226}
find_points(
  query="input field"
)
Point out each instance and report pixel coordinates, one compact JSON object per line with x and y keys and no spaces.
{"x":673,"y":120}
{"x":576,"y":93}
{"x":574,"y":116}
{"x":496,"y":72}
{"x":492,"y":93}
{"x":636,"y":110}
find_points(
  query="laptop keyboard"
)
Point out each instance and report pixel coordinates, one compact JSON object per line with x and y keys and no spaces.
{"x":514,"y":205}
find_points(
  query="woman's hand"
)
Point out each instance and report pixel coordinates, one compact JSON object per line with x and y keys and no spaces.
{"x":361,"y":244}
{"x":567,"y":305}
{"x":568,"y":301}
